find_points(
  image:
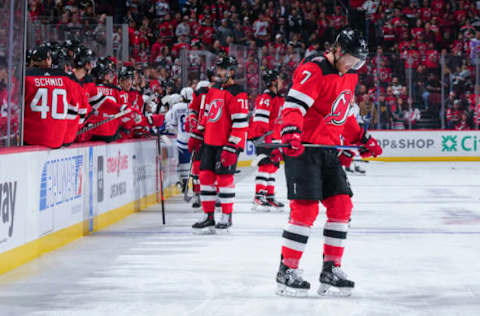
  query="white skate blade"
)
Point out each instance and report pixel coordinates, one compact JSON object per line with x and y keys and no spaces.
{"x":204,"y":231}
{"x":223,"y":231}
{"x":284,"y":290}
{"x":328,"y":290}
{"x":277,"y":209}
{"x":260,"y":209}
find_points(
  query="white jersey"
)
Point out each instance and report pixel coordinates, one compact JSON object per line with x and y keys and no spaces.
{"x":175,"y":123}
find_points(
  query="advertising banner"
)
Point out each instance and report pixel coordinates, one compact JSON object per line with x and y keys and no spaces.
{"x":17,"y":200}
{"x":429,"y":143}
{"x":61,"y":180}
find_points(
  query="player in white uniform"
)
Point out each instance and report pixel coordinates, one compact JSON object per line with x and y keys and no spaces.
{"x":175,"y":123}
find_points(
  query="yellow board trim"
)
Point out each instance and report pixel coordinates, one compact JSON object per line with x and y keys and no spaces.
{"x":16,"y":257}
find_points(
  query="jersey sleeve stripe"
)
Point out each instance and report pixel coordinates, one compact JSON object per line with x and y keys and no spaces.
{"x":301,"y":96}
{"x":97,"y":103}
{"x":261,"y":119}
{"x":234,"y":139}
{"x":95,"y":97}
{"x":240,"y":124}
{"x":238,"y":116}
{"x":292,"y":105}
{"x":264,"y":112}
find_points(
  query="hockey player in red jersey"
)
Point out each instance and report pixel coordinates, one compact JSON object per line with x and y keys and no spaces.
{"x":316,"y":112}
{"x":222,"y":130}
{"x":264,"y":119}
{"x":49,"y":99}
{"x":196,"y":110}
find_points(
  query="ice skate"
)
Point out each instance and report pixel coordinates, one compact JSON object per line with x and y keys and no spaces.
{"x":290,"y":282}
{"x":225,"y":222}
{"x":206,"y":224}
{"x":350,"y":170}
{"x":275,"y":204}
{"x":196,"y":201}
{"x":334,"y":282}
{"x":359,"y":170}
{"x":260,"y":204}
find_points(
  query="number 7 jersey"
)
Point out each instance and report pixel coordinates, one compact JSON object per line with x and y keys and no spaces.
{"x":318,"y":101}
{"x":226,"y":117}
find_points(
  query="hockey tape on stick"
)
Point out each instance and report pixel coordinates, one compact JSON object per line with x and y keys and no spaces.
{"x":257,"y":160}
{"x":188,"y":193}
{"x":278,"y":145}
{"x":93,"y":126}
{"x":261,"y":139}
{"x":164,"y":138}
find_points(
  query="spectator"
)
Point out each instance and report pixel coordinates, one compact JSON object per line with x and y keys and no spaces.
{"x":412,"y":115}
{"x":454,"y":114}
{"x":398,"y":115}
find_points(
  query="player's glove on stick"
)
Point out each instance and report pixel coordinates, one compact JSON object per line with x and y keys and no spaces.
{"x":276,"y":156}
{"x":291,"y":135}
{"x":191,"y":123}
{"x":370,"y":146}
{"x":228,"y":156}
{"x":195,"y":142}
{"x":346,"y":157}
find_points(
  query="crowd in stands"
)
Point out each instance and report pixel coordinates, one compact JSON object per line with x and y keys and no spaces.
{"x":401,"y":82}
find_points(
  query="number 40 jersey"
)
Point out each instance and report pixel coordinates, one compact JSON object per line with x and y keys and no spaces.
{"x":319,"y":100}
{"x":49,"y":99}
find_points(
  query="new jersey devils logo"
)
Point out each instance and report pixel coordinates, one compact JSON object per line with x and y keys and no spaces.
{"x":339,"y":112}
{"x":215,"y":111}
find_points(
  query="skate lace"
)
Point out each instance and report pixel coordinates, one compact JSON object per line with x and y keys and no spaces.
{"x":294,"y":275}
{"x":339,"y":273}
{"x":203,"y":217}
{"x":225,"y":218}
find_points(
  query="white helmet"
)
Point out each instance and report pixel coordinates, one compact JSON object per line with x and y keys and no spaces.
{"x":187,"y":94}
{"x":202,"y":84}
{"x":174,"y":99}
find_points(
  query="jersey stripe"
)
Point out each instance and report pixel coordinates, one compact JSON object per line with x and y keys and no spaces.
{"x":295,"y":105}
{"x":301,"y":96}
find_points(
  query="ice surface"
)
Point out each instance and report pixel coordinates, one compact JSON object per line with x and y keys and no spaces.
{"x":413,"y":249}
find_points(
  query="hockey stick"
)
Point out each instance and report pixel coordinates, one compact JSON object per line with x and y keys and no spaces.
{"x":339,"y":147}
{"x":95,"y":125}
{"x":162,"y":197}
{"x":187,"y":198}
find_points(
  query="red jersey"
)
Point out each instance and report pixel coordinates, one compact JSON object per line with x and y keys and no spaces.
{"x":318,"y":101}
{"x":226,"y":119}
{"x":77,"y":112}
{"x":197,"y":106}
{"x":136,"y":99}
{"x":49,"y":96}
{"x":110,"y":128}
{"x":260,"y":122}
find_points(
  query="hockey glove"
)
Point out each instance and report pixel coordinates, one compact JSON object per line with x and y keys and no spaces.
{"x":370,"y":146}
{"x":228,"y":156}
{"x":276,"y":156}
{"x":195,"y":142}
{"x":291,"y":135}
{"x":346,"y":157}
{"x":191,"y":122}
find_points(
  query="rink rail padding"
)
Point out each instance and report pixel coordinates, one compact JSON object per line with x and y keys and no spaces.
{"x":49,"y":198}
{"x":408,"y":145}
